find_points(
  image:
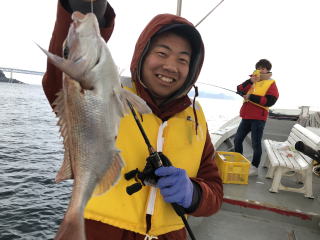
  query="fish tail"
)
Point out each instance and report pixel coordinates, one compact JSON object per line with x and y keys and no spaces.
{"x":112,"y":175}
{"x":71,"y":228}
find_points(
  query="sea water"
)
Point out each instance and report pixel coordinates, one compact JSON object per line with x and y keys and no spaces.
{"x":32,"y":205}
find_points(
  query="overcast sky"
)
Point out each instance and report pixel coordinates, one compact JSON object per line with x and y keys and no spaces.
{"x":236,"y":35}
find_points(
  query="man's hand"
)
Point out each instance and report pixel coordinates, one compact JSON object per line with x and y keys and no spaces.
{"x":255,"y":78}
{"x":175,"y":185}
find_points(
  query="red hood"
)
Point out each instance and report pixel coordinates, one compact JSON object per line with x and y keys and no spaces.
{"x":179,"y":101}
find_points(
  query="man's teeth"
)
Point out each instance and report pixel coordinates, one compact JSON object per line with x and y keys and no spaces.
{"x":165,"y":79}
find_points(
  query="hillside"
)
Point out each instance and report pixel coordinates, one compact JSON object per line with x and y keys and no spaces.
{"x":3,"y":78}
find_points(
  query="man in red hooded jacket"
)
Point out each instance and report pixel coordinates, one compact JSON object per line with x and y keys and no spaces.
{"x":166,"y":63}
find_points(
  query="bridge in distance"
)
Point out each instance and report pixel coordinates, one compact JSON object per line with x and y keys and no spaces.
{"x":15,"y":70}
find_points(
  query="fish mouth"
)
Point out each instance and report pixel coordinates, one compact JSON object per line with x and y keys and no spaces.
{"x":78,"y":16}
{"x":79,"y":19}
{"x":165,"y":79}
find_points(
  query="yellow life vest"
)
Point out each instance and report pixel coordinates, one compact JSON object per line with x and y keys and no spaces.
{"x":260,"y":89}
{"x":184,"y":149}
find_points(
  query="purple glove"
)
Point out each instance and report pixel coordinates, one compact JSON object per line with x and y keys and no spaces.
{"x":175,"y":185}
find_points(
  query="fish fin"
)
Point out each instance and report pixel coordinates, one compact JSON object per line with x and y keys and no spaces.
{"x":58,"y":105}
{"x":111,"y":176}
{"x":73,"y":69}
{"x":135,"y":100}
{"x":123,"y":108}
{"x":65,"y":171}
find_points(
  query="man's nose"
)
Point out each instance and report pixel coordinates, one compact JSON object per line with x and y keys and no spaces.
{"x":170,"y":65}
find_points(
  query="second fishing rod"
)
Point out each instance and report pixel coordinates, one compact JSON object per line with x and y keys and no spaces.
{"x":212,"y":85}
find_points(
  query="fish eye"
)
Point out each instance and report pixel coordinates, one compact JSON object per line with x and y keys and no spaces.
{"x":66,"y":52}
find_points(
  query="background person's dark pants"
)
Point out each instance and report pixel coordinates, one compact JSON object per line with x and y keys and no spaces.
{"x":256,"y":128}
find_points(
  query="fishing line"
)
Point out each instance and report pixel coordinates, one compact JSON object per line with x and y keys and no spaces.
{"x":91,"y":6}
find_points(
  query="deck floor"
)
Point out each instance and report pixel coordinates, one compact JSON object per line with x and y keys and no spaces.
{"x":235,"y":222}
{"x":257,"y":190}
{"x":229,"y":225}
{"x":251,"y":212}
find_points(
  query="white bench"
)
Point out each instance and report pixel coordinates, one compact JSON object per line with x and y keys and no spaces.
{"x":282,"y":159}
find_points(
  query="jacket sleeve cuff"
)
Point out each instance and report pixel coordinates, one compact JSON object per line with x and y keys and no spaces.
{"x":243,"y":88}
{"x":195,"y":198}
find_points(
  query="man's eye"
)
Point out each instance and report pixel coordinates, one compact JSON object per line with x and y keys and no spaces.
{"x":66,"y":52}
{"x":183,"y":60}
{"x":162,"y":54}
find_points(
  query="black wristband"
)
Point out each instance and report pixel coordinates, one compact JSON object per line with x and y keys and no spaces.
{"x":196,"y":197}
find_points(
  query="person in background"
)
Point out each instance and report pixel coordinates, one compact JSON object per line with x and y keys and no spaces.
{"x":259,"y":93}
{"x":167,"y":60}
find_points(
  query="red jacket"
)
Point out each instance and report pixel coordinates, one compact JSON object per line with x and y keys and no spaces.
{"x":207,"y":178}
{"x":250,"y":110}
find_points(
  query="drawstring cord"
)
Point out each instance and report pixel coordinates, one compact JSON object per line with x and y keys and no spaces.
{"x":196,"y":94}
{"x":148,"y":237}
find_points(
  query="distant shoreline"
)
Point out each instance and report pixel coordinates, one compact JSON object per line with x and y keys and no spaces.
{"x":3,"y":78}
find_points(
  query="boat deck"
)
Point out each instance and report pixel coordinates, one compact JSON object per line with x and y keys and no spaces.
{"x":231,"y":225}
{"x":256,"y":195}
{"x":251,"y":212}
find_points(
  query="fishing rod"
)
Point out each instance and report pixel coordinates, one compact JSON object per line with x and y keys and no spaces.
{"x":179,"y":7}
{"x":221,"y":88}
{"x":154,"y":161}
{"x":209,"y":13}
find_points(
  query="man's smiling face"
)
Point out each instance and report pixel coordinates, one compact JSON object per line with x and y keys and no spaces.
{"x":166,"y":66}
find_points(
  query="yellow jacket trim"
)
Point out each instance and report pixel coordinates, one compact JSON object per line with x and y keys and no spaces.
{"x":260,"y":89}
{"x":181,"y":145}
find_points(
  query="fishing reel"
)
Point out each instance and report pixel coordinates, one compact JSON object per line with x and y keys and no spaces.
{"x":147,"y":177}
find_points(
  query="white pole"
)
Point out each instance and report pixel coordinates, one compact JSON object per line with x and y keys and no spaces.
{"x":179,"y":3}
